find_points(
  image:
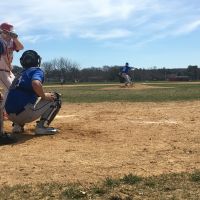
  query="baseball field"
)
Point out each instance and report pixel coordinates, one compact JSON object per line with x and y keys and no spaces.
{"x":109,"y":134}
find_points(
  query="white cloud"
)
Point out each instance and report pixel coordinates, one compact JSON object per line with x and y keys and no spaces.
{"x":111,"y":34}
{"x":35,"y":38}
{"x":138,"y":20}
{"x":187,"y":28}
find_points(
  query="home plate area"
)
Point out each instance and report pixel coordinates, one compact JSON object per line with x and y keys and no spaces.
{"x":100,"y":140}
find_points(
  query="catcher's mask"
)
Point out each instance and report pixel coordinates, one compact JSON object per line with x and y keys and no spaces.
{"x":29,"y":59}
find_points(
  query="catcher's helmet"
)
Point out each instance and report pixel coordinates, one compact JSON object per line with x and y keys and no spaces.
{"x":30,"y":58}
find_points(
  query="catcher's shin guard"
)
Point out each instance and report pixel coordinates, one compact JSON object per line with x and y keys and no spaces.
{"x":50,"y":114}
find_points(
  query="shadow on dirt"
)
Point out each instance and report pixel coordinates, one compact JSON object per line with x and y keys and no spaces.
{"x":16,"y":139}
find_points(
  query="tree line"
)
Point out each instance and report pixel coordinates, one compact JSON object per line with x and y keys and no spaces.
{"x":66,"y":71}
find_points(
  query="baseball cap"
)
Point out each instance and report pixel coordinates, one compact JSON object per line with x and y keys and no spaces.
{"x":6,"y":27}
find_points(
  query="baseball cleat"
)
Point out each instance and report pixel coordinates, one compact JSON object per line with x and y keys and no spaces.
{"x":45,"y":131}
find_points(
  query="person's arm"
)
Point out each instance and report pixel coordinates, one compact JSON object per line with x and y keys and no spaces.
{"x":132,"y":68}
{"x":18,"y":45}
{"x":37,"y":87}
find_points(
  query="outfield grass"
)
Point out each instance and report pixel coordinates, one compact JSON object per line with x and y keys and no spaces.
{"x":170,"y":186}
{"x":99,"y":93}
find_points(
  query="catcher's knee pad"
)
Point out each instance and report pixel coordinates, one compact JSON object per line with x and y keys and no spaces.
{"x":50,"y":114}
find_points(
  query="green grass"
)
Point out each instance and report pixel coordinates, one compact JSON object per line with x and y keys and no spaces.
{"x":168,"y":186}
{"x":99,"y":93}
{"x":131,"y":179}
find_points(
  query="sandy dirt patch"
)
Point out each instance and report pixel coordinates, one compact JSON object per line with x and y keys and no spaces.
{"x":135,"y":86}
{"x":106,"y":139}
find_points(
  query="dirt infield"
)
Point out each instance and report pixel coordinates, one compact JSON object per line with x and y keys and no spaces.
{"x":106,"y":139}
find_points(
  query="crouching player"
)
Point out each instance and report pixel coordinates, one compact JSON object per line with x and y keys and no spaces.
{"x":27,"y":101}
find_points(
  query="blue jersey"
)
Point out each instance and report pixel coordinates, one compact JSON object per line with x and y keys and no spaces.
{"x":125,"y":69}
{"x":21,"y":91}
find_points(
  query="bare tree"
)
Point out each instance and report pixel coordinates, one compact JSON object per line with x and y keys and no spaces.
{"x":61,"y":69}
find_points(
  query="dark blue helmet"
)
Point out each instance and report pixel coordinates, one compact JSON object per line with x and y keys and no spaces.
{"x":30,"y":58}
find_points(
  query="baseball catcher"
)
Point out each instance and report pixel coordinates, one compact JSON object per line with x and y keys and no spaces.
{"x":27,"y":101}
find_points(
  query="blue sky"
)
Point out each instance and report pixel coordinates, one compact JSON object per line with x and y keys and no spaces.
{"x":145,"y":33}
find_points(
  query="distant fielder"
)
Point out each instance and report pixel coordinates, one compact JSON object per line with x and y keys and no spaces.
{"x":124,"y":74}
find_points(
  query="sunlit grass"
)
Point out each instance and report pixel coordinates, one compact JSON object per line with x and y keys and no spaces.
{"x":99,"y":93}
{"x":166,"y":186}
